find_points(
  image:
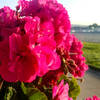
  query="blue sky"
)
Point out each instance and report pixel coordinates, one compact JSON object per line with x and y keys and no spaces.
{"x":80,"y":11}
{"x":11,"y":3}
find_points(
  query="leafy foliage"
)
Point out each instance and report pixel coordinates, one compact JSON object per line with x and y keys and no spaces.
{"x":33,"y":93}
{"x":74,"y":88}
{"x":9,"y":93}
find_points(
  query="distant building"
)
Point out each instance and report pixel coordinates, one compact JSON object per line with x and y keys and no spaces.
{"x":85,"y":29}
{"x":97,"y":29}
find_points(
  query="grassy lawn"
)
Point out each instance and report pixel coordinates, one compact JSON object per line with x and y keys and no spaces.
{"x":92,"y":54}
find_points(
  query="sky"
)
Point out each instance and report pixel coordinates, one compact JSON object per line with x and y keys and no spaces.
{"x":83,"y":12}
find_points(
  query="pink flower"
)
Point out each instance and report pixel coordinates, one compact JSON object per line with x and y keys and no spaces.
{"x":53,"y":16}
{"x":47,"y":42}
{"x":47,"y":29}
{"x":64,"y":42}
{"x":29,"y":41}
{"x":34,"y":6}
{"x":7,"y":17}
{"x":94,"y":98}
{"x":22,"y":64}
{"x":4,"y":53}
{"x":24,"y":48}
{"x":51,"y":77}
{"x":31,"y":25}
{"x":76,"y":49}
{"x":47,"y":59}
{"x":70,"y":48}
{"x":60,"y":92}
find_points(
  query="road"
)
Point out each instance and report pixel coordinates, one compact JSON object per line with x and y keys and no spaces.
{"x":91,"y":84}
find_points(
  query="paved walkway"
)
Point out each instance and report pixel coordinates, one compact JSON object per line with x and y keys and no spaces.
{"x":90,"y":85}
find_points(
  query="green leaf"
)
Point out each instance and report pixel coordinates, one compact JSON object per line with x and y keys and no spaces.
{"x":74,"y":88}
{"x":61,"y":78}
{"x":9,"y":93}
{"x":37,"y":95}
{"x":33,"y":93}
{"x":24,"y":89}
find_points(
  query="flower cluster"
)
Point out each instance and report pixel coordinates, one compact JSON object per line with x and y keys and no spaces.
{"x":27,"y":47}
{"x":94,"y":98}
{"x":35,"y":41}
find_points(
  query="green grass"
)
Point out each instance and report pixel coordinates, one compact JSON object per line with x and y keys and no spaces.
{"x":92,"y":54}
